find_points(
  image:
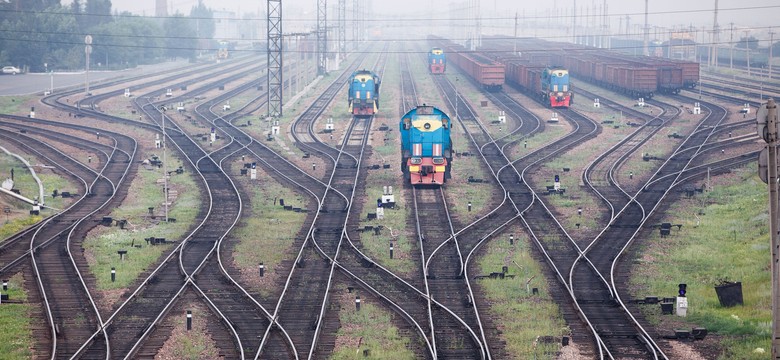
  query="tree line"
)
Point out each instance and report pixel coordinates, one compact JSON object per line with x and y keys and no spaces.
{"x":41,"y":35}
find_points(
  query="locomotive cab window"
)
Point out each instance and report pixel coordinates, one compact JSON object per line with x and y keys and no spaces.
{"x":445,"y":123}
{"x":407,"y":124}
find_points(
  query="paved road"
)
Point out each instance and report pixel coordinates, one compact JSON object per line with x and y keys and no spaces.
{"x":26,"y":84}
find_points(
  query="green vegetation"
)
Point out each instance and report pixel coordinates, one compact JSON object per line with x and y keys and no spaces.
{"x":724,"y":237}
{"x":102,"y":244}
{"x":521,"y":316}
{"x":16,"y":337}
{"x":195,"y":344}
{"x":378,"y":246}
{"x":266,"y":234}
{"x":28,"y":187}
{"x":45,"y":32}
{"x":370,"y":329}
{"x":13,"y":104}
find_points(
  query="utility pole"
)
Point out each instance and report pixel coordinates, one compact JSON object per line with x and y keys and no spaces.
{"x":646,"y":51}
{"x":165,"y":165}
{"x":731,"y":46}
{"x":342,"y":29}
{"x":516,"y":35}
{"x":355,"y":23}
{"x":767,"y":128}
{"x":574,"y":22}
{"x":87,"y":51}
{"x":771,"y":45}
{"x":715,"y":38}
{"x":747,"y":50}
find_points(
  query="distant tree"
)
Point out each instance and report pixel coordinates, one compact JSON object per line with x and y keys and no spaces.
{"x":202,"y":19}
{"x":11,"y":9}
{"x":33,"y":37}
{"x":747,"y":43}
{"x":128,"y":41}
{"x":179,"y":41}
{"x":75,"y":7}
{"x":96,"y":12}
{"x":776,"y":49}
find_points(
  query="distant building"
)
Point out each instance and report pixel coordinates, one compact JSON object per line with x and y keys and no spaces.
{"x":160,"y":8}
{"x":226,"y":25}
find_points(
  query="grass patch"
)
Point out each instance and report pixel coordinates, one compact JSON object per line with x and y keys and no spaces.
{"x":389,"y":151}
{"x":194,"y":344}
{"x":14,"y":104}
{"x":103,"y":243}
{"x":729,"y":241}
{"x":521,"y":316}
{"x":370,"y":329}
{"x":267,"y":231}
{"x":16,"y":337}
{"x":18,"y":219}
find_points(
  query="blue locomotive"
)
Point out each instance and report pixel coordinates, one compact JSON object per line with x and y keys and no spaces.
{"x":364,"y":93}
{"x":426,"y":146}
{"x":437,"y":61}
{"x":556,"y":87}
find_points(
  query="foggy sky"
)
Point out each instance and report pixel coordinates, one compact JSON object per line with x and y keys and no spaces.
{"x":504,"y":10}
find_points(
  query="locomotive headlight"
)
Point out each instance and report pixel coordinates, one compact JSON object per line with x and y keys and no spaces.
{"x":438,"y":160}
{"x":416,"y":160}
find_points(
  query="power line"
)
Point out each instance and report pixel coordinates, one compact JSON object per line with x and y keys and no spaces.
{"x":410,"y":40}
{"x":376,"y":19}
{"x":564,"y":47}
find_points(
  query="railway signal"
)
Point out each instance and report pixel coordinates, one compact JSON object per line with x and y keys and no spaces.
{"x":557,"y":183}
{"x":681,"y":290}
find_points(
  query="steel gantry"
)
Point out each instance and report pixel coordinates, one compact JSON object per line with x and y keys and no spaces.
{"x":342,"y":28}
{"x":322,"y":36}
{"x":355,"y":23}
{"x":274,"y":81}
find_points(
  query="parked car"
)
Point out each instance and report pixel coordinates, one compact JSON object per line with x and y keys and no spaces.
{"x":13,"y":70}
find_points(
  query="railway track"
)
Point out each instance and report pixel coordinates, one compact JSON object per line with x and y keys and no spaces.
{"x":70,"y":311}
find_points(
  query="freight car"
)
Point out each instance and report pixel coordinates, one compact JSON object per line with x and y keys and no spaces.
{"x":486,"y":72}
{"x":363,"y":95}
{"x":426,"y":146}
{"x":636,"y":76}
{"x":437,"y":61}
